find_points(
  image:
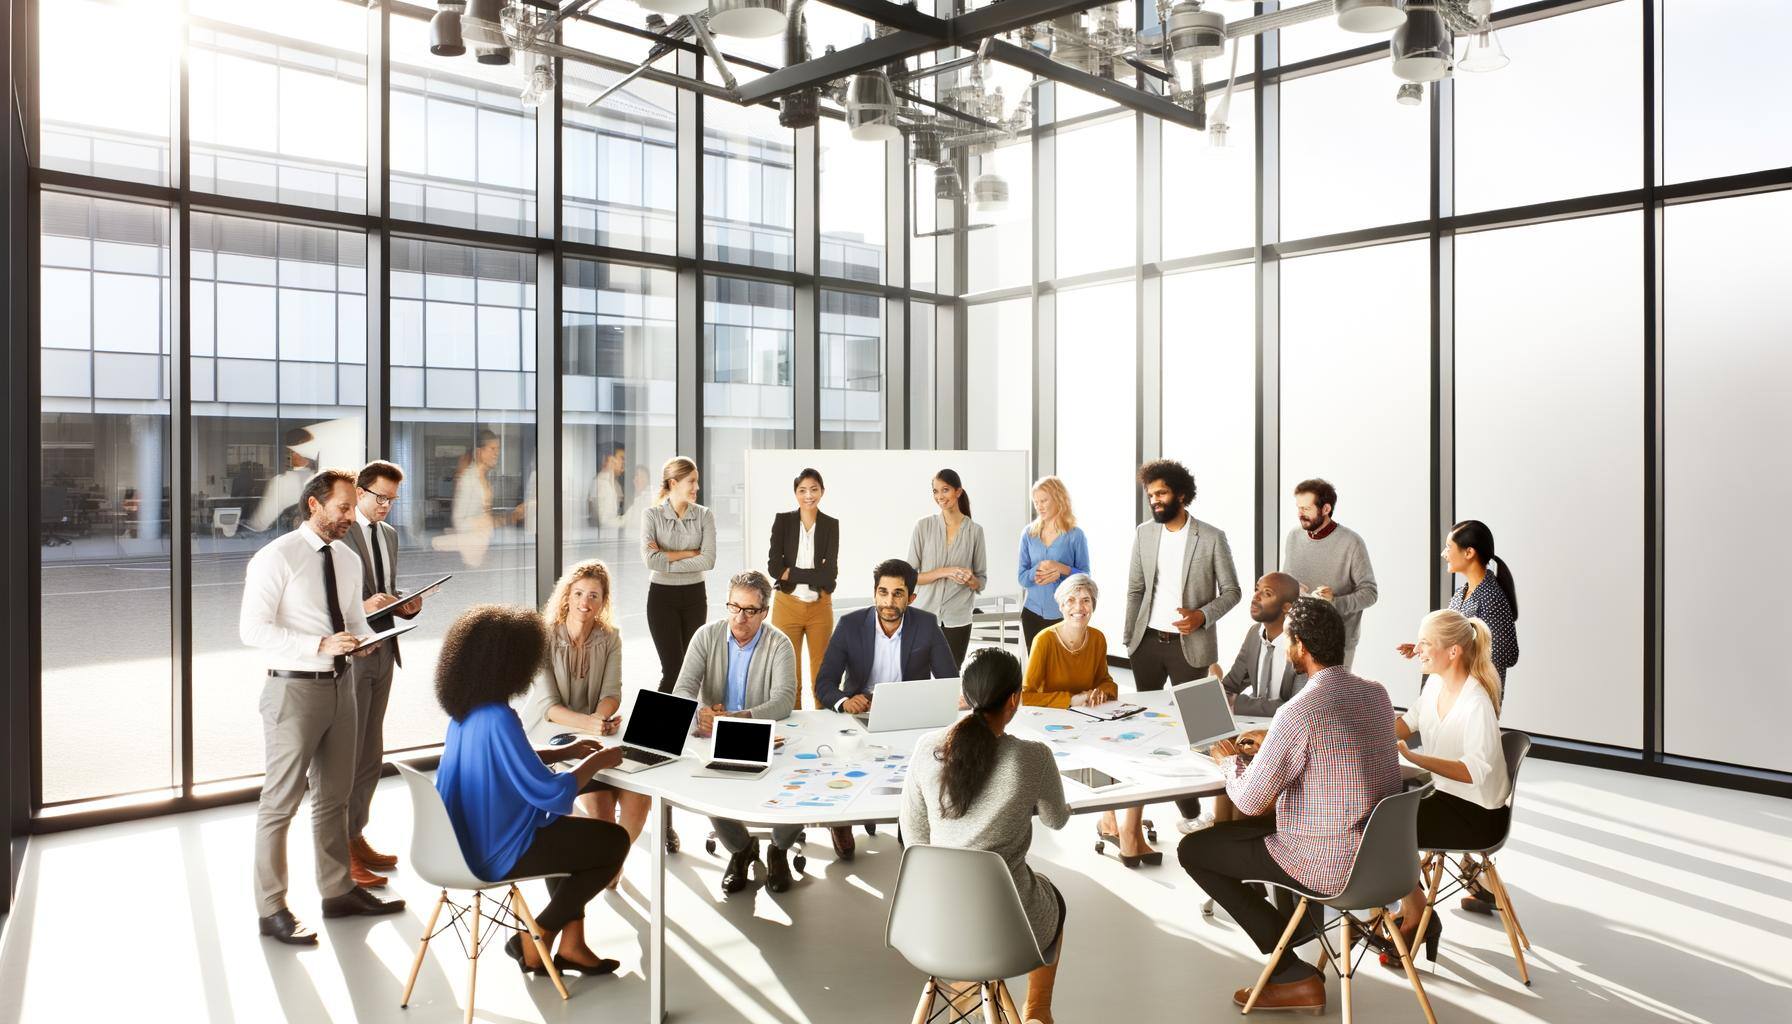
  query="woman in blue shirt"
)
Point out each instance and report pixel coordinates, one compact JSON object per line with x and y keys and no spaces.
{"x":1052,"y":549}
{"x":509,"y":811}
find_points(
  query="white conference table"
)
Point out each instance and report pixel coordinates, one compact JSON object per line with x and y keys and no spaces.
{"x":1149,"y":751}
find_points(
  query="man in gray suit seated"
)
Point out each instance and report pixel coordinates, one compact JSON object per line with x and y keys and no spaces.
{"x":1261,"y":679}
{"x":738,"y":667}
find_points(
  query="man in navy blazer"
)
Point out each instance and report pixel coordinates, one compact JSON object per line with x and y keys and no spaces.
{"x":886,"y":643}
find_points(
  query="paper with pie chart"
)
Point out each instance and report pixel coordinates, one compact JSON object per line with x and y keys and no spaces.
{"x":833,"y":785}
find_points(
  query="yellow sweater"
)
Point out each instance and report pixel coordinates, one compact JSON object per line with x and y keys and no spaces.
{"x":1054,"y":675}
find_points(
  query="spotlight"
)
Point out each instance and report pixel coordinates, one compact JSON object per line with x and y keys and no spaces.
{"x":672,"y":6}
{"x":746,"y":19}
{"x":1195,"y":34}
{"x":1422,"y":46}
{"x":1370,"y":15}
{"x":871,"y":107}
{"x":989,"y":193}
{"x":444,"y":34}
{"x":1410,"y":95}
{"x":1485,"y":53}
{"x":488,"y":11}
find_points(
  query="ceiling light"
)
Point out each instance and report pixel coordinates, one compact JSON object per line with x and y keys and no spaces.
{"x":945,"y":182}
{"x":672,"y":6}
{"x":1484,"y":53}
{"x":989,"y":193}
{"x":1195,"y":35}
{"x":540,"y":85}
{"x":1421,"y":47}
{"x":1370,"y":15}
{"x":746,"y":19}
{"x":1410,"y":95}
{"x":444,"y":34}
{"x":871,"y":107}
{"x":1217,"y":133}
{"x":490,"y":11}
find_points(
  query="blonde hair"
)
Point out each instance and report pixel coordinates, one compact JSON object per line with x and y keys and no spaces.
{"x":560,"y":601}
{"x":676,"y":468}
{"x":1450,"y":628}
{"x":1060,"y":496}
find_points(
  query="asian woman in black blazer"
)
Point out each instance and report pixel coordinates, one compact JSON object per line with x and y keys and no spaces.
{"x":803,"y":564}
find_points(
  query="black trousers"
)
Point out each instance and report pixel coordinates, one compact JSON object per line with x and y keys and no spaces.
{"x":1031,"y":625}
{"x":1219,"y":859}
{"x":591,"y":850}
{"x":958,"y":641}
{"x":1451,"y":823}
{"x":1158,"y":660}
{"x":674,"y":614}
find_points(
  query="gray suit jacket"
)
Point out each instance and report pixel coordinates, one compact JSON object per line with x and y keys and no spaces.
{"x":1242,"y":679}
{"x":771,"y":675}
{"x":378,"y":664}
{"x":1209,"y":583}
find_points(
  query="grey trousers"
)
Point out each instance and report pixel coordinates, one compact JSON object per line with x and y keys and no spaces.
{"x":308,"y":729}
{"x":373,"y":687}
{"x":734,"y":837}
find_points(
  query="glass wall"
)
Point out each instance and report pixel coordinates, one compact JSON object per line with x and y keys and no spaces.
{"x":619,"y":159}
{"x":112,"y":133}
{"x":852,"y":370}
{"x":1208,"y":191}
{"x":105,"y":504}
{"x":748,"y":399}
{"x":1097,"y":427}
{"x":851,"y":211}
{"x":1351,"y":157}
{"x":1726,"y":81}
{"x":749,"y":186}
{"x":1356,"y":411}
{"x":1001,"y":240}
{"x":1097,"y":196}
{"x":1548,"y":402}
{"x":999,"y":416}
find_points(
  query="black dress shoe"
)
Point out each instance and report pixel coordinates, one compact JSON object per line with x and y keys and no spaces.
{"x":513,"y":947}
{"x":360,"y":902}
{"x":844,"y":848}
{"x":777,"y":870}
{"x":603,"y":966}
{"x":281,"y":926}
{"x":740,"y":868}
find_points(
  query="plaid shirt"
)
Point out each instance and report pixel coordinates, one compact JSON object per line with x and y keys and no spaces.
{"x":1328,"y":759}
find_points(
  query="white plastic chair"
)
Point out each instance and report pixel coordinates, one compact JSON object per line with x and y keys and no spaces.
{"x":957,"y":915}
{"x":437,"y":857}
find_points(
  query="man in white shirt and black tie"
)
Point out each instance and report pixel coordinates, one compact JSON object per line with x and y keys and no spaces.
{"x":376,"y":542}
{"x":1261,"y":679}
{"x":302,"y":605}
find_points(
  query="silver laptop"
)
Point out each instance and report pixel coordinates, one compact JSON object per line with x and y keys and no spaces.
{"x":657,"y":726}
{"x":1206,"y":717}
{"x":741,"y":749}
{"x":916,"y":704}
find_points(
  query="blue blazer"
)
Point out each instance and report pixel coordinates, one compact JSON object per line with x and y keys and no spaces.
{"x":846,"y":668}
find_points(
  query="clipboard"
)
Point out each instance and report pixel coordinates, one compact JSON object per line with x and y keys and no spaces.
{"x":386,"y":614}
{"x":377,"y":637}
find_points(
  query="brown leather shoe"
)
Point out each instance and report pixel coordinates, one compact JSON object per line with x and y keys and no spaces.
{"x":1304,"y":996}
{"x":358,"y":849}
{"x":364,"y":876}
{"x":844,"y":848}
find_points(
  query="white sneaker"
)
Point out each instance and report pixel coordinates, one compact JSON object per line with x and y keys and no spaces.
{"x":1189,"y":826}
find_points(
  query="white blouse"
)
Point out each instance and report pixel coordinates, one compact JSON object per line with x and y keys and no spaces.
{"x":1470,"y":734}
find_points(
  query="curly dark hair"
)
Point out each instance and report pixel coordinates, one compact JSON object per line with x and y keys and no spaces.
{"x":1319,"y":628}
{"x":1174,"y":475}
{"x":490,"y":655}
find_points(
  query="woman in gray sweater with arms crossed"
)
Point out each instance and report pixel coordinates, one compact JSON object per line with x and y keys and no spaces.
{"x":975,"y":787}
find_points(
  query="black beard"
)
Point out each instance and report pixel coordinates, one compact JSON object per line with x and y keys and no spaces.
{"x":1166,"y":514}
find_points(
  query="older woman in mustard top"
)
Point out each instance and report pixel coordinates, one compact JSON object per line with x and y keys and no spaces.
{"x":1068,"y":668}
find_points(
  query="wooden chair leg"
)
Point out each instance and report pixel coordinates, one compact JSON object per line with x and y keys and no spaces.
{"x":1008,"y":1006}
{"x":540,"y":941}
{"x":1506,"y":901}
{"x":925,"y":1010}
{"x":473,"y":959}
{"x":1431,"y":883}
{"x":1506,"y":919}
{"x":410,"y":983}
{"x":1345,"y":941}
{"x":1412,"y":974}
{"x":988,"y":991}
{"x":1269,"y":968}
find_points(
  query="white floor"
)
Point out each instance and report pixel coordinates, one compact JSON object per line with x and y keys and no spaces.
{"x":1644,"y":900}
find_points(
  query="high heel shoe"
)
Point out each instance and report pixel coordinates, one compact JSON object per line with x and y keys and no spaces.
{"x":1390,"y":957}
{"x":514,"y":948}
{"x":1151,"y":857}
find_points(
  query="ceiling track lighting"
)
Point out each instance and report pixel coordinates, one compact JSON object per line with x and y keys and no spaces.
{"x":872,"y":113}
{"x":1422,"y":48}
{"x":989,"y":193}
{"x":746,"y":19}
{"x":1411,"y":94}
{"x":491,"y":12}
{"x":1370,"y":15}
{"x":444,"y":33}
{"x":1195,"y":34}
{"x":673,"y":7}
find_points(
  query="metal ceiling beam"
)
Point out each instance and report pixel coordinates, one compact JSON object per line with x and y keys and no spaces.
{"x":1028,"y":59}
{"x":966,"y":30}
{"x":899,"y":16}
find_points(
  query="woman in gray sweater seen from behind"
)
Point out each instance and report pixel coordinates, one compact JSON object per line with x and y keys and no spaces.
{"x":974,"y":786}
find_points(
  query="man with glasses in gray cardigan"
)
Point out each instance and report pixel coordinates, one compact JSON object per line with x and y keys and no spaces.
{"x":738,"y":667}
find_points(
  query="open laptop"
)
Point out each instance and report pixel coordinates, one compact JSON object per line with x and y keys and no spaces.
{"x":741,"y":749}
{"x":1206,"y":717}
{"x":657,"y":726}
{"x":915,"y":704}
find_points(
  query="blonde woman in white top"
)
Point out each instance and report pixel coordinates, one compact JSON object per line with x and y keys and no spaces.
{"x":1458,"y":717}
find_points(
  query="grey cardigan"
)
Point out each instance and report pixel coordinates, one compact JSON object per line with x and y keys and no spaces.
{"x":695,"y":532}
{"x":554,"y":683}
{"x":1209,"y":583}
{"x":771,"y":675}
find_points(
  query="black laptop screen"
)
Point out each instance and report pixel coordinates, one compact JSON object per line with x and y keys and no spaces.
{"x":740,"y":739}
{"x":660,"y":721}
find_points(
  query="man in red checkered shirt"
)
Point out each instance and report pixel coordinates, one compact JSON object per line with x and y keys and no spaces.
{"x":1329,"y":758}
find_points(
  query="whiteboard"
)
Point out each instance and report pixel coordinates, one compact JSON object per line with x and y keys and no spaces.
{"x":878,"y":495}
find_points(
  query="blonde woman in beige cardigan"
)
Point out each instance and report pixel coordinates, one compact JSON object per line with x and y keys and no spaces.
{"x":579,"y":688}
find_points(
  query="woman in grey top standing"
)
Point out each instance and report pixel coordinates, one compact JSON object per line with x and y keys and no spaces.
{"x":975,"y":787}
{"x":678,"y":543}
{"x":947,"y":550}
{"x":579,"y":687}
